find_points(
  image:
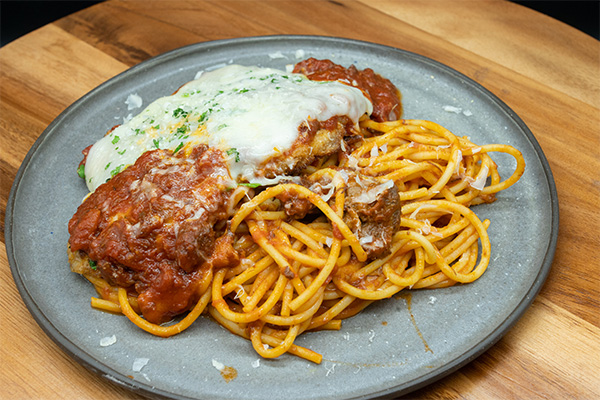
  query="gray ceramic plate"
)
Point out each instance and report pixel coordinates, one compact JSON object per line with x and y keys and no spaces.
{"x":381,"y":352}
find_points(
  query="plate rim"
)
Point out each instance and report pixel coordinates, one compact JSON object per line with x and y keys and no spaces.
{"x":96,"y":366}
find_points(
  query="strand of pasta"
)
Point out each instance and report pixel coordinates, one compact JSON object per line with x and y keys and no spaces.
{"x":284,"y":346}
{"x":221,"y":305}
{"x":240,"y":330}
{"x":159,"y":330}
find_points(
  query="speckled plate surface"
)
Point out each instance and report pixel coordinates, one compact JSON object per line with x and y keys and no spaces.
{"x":381,"y":352}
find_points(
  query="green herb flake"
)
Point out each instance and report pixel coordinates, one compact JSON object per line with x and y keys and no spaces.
{"x":204,"y":115}
{"x":116,"y":170}
{"x":81,"y":171}
{"x":122,"y":152}
{"x":250,"y":185}
{"x":180,"y":112}
{"x":93,"y":264}
{"x":156,"y":143}
{"x":115,"y":139}
{"x":107,"y":166}
{"x":234,"y":151}
{"x":178,"y":148}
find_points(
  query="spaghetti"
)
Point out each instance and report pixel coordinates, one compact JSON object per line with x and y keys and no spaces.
{"x":308,"y":272}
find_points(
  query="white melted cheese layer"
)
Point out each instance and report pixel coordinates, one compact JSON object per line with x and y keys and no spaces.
{"x":251,"y":113}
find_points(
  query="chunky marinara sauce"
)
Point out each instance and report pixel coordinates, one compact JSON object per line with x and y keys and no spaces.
{"x":384,"y":96}
{"x":152,"y":228}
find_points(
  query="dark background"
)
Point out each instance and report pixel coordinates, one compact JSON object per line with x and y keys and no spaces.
{"x":20,"y":17}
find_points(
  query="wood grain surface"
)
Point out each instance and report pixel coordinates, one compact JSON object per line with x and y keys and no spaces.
{"x":546,"y":71}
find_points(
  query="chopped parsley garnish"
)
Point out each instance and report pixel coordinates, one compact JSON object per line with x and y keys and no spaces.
{"x":178,"y":148}
{"x":115,"y":139}
{"x":122,"y":152}
{"x":204,"y":115}
{"x":180,"y":112}
{"x":156,"y":143}
{"x":250,"y":185}
{"x":234,"y":151}
{"x":116,"y":170}
{"x":138,"y":131}
{"x":81,"y":171}
{"x":93,"y":264}
{"x":107,"y":166}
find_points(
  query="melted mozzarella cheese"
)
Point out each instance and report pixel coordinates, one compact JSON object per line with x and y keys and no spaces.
{"x":250,"y":113}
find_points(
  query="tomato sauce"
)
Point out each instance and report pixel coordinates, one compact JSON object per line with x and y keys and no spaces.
{"x":152,"y":228}
{"x":384,"y":96}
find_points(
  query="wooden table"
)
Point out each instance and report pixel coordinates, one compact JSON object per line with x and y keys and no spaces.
{"x":546,"y":71}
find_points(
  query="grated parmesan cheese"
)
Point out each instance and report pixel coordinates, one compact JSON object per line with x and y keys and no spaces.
{"x":276,"y":54}
{"x":459,"y":159}
{"x":133,"y":101}
{"x":371,"y":336}
{"x":365,"y":240}
{"x":372,"y":194}
{"x":218,"y":365}
{"x":452,"y":109}
{"x":108,"y":341}
{"x":374,"y":151}
{"x":413,"y":215}
{"x":139,"y":363}
{"x":330,"y":370}
{"x":479,"y":182}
